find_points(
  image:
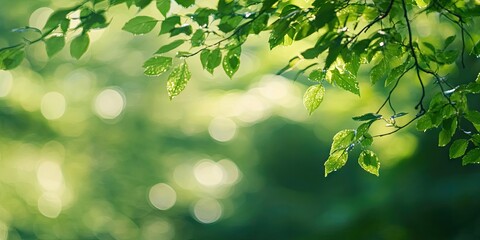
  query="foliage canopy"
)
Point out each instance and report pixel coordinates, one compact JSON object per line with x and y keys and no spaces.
{"x":344,"y":37}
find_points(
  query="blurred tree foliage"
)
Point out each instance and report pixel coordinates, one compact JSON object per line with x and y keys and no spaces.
{"x":90,"y":150}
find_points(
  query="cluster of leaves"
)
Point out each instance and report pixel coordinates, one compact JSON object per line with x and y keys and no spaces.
{"x":450,"y":112}
{"x":53,"y":34}
{"x":348,"y":34}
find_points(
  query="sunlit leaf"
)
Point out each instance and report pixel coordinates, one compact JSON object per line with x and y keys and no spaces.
{"x":472,"y":157}
{"x":368,"y":160}
{"x":231,"y":61}
{"x":140,"y":25}
{"x":345,"y":80}
{"x":79,"y":45}
{"x":178,"y":79}
{"x":317,"y":75}
{"x":458,"y":148}
{"x":54,"y":45}
{"x":342,"y":142}
{"x":313,"y":97}
{"x":335,"y":161}
{"x":422,"y":3}
{"x":157,"y":65}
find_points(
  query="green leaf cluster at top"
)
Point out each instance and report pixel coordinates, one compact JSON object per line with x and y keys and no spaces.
{"x":345,"y":36}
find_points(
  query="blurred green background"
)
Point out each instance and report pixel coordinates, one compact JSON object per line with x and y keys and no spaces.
{"x":92,"y":149}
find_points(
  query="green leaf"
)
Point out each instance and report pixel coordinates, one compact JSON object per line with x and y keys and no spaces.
{"x":280,"y":28}
{"x":317,"y":75}
{"x":170,"y":46}
{"x":54,"y":45}
{"x":324,"y":15}
{"x":342,"y":142}
{"x":163,"y":6}
{"x":201,"y":16}
{"x":449,"y":41}
{"x":142,"y":3}
{"x":473,"y":116}
{"x":380,"y":71}
{"x":363,"y":129}
{"x":345,"y":80}
{"x":185,"y":3}
{"x":228,"y":23}
{"x":422,"y":3}
{"x":333,"y":51}
{"x":367,"y":117}
{"x":79,"y":45}
{"x":313,"y":97}
{"x":92,"y":20}
{"x":335,"y":161}
{"x":476,"y":49}
{"x":231,"y":61}
{"x":478,"y":78}
{"x":140,"y":25}
{"x":401,"y":114}
{"x":169,"y":24}
{"x":430,"y":46}
{"x":260,"y":23}
{"x":473,"y":156}
{"x":476,"y":139}
{"x":214,"y":60}
{"x":178,"y":79}
{"x":424,"y":123}
{"x":11,"y":57}
{"x":449,"y":127}
{"x":157,"y":65}
{"x":185,"y":29}
{"x":368,"y":160}
{"x":395,"y":73}
{"x":443,"y":138}
{"x":56,"y":18}
{"x":367,"y":140}
{"x":447,"y":57}
{"x":204,"y":56}
{"x":198,"y":38}
{"x":458,"y":148}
